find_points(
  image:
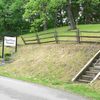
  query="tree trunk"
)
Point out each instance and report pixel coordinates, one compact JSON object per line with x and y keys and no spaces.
{"x":70,"y":16}
{"x":61,"y":17}
{"x":45,"y":25}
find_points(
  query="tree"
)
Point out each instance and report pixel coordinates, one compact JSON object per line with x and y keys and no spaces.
{"x":91,"y":11}
{"x":70,"y":16}
{"x":51,"y":9}
{"x":5,"y":14}
{"x":11,"y":16}
{"x":36,"y":13}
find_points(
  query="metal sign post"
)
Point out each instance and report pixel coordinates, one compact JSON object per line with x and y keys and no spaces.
{"x":3,"y":49}
{"x":8,"y":42}
{"x":16,"y":45}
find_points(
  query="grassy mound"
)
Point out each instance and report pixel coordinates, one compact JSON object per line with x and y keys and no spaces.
{"x":52,"y":61}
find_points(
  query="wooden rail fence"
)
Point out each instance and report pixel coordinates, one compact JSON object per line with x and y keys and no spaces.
{"x":78,"y":37}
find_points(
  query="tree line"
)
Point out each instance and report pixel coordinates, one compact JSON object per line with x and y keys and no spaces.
{"x":38,"y":15}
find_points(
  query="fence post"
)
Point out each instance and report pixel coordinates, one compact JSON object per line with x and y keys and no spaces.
{"x":38,"y":39}
{"x":56,"y":37}
{"x":23,"y":40}
{"x":78,"y":35}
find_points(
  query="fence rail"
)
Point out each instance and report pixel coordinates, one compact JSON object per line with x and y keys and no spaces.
{"x":46,"y":33}
{"x":91,"y":31}
{"x":78,"y":36}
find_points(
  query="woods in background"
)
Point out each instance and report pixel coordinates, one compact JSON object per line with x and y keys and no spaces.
{"x":39,"y":15}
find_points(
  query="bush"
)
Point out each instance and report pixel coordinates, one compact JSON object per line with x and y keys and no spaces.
{"x":7,"y":56}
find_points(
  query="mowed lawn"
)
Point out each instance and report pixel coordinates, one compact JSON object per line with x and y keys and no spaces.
{"x":53,"y":64}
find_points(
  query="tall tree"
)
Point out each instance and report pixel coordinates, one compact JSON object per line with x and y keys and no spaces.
{"x":91,"y":11}
{"x":11,"y":12}
{"x":36,"y":13}
{"x":72,"y":23}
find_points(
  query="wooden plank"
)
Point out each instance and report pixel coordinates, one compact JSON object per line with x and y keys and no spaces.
{"x":90,"y":36}
{"x":47,"y":38}
{"x":23,"y":40}
{"x":86,"y":66}
{"x":56,"y":37}
{"x":67,"y":41}
{"x":78,"y":35}
{"x":90,"y":42}
{"x":67,"y":36}
{"x":47,"y":41}
{"x":87,"y":31}
{"x":45,"y":33}
{"x":31,"y":40}
{"x":30,"y":43}
{"x":97,"y":76}
{"x":90,"y":31}
{"x":38,"y":39}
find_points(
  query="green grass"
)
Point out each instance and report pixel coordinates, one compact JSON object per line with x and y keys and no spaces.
{"x":83,"y":89}
{"x":64,"y":30}
{"x":90,"y":27}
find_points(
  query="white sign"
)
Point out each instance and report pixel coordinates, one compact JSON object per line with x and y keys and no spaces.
{"x":10,"y":41}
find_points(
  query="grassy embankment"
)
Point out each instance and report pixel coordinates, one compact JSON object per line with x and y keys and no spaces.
{"x":55,"y":65}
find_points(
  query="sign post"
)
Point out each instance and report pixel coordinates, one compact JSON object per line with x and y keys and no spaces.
{"x":3,"y":49}
{"x":16,"y":45}
{"x":8,"y":42}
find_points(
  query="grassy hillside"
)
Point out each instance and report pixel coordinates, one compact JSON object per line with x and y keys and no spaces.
{"x":54,"y":65}
{"x":53,"y":61}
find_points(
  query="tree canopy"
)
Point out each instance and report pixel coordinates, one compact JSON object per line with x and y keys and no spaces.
{"x":38,"y":15}
{"x":11,"y":19}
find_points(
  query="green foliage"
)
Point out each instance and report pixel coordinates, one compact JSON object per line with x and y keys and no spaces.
{"x":37,"y":15}
{"x":7,"y":57}
{"x":51,"y":13}
{"x":41,"y":12}
{"x":11,"y":16}
{"x":91,"y":11}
